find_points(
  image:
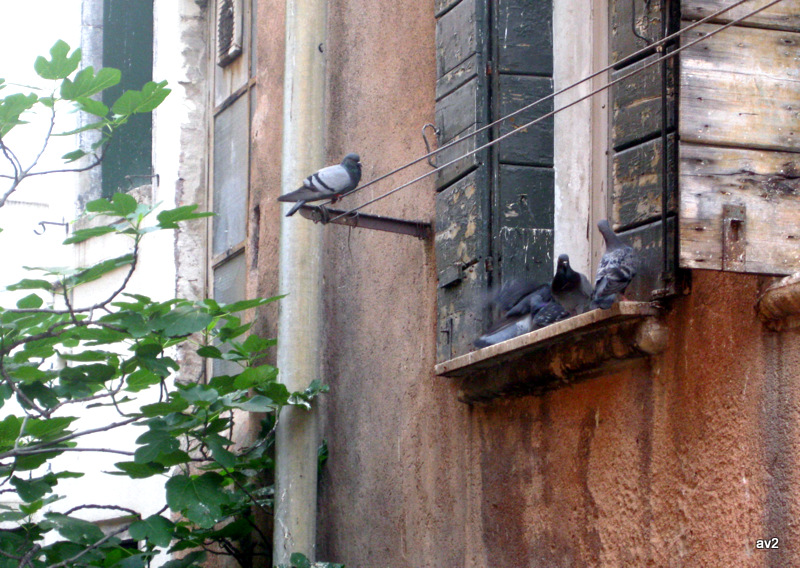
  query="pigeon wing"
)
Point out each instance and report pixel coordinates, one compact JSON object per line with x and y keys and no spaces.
{"x":333,"y":179}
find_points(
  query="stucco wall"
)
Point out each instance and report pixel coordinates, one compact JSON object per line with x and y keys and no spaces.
{"x":684,"y":460}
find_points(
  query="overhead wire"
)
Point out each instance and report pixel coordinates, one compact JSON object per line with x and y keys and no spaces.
{"x":632,"y":57}
{"x":566,"y":106}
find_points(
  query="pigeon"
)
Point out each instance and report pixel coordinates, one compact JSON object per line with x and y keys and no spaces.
{"x":331,"y":182}
{"x":571,"y":289}
{"x":551,"y":312}
{"x":520,"y":302}
{"x":616,"y":269}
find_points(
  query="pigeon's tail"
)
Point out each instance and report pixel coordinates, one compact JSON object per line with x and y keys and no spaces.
{"x":295,"y":208}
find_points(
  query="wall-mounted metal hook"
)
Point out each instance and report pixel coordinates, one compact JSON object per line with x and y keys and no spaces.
{"x":436,"y":131}
{"x":130,"y":178}
{"x":43,"y":225}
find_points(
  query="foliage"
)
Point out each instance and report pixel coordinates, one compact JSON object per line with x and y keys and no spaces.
{"x":110,"y":352}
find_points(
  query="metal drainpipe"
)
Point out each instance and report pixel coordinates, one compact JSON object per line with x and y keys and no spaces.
{"x":300,"y":320}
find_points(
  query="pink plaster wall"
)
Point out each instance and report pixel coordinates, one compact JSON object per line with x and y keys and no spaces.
{"x":684,"y":460}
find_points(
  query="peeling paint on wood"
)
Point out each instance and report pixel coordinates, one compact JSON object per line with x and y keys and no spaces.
{"x":766,"y":183}
{"x":636,"y":104}
{"x":646,"y":21}
{"x":636,"y":184}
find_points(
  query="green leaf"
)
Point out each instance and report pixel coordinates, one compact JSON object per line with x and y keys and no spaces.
{"x":139,"y":470}
{"x":75,"y":530}
{"x":100,"y":269}
{"x":123,"y":204}
{"x":33,"y":489}
{"x":255,"y":376}
{"x":11,"y":108}
{"x":169,"y":219}
{"x":9,"y":430}
{"x":31,"y":301}
{"x":86,"y":83}
{"x":73,"y":156}
{"x":163,"y":408}
{"x":155,"y":529}
{"x":247,"y":304}
{"x":49,"y":428}
{"x":299,"y":560}
{"x":85,"y":234}
{"x":200,"y":499}
{"x":141,"y":379}
{"x":61,"y":64}
{"x":146,"y":100}
{"x":221,"y":454}
{"x":93,"y":126}
{"x":28,"y":374}
{"x":29,"y":284}
{"x":209,"y":351}
{"x":92,"y":107}
{"x":195,"y":558}
{"x":183,"y":320}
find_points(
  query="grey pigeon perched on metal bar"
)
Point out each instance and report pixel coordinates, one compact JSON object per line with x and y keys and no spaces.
{"x":331,"y":182}
{"x":616,"y":269}
{"x":519,"y":302}
{"x":570,"y":288}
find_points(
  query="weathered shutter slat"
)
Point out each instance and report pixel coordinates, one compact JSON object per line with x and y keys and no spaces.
{"x":782,"y":16}
{"x":636,"y":183}
{"x":637,"y":153}
{"x":462,"y":201}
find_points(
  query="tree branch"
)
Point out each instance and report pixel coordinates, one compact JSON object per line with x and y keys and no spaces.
{"x":49,"y":443}
{"x":110,"y":507}
{"x":69,"y":561}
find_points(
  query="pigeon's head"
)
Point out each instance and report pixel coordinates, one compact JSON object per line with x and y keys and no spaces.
{"x":565,"y":277}
{"x":611,"y":238}
{"x":353,"y":159}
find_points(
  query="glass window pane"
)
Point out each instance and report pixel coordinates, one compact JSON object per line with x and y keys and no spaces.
{"x":231,"y":133}
{"x":229,"y":286}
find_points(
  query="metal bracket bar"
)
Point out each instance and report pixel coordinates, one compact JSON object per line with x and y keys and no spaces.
{"x":321,"y":214}
{"x":734,"y":218}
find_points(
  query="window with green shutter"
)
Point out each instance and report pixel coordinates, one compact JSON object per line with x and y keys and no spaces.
{"x":128,"y":46}
{"x":494,"y":210}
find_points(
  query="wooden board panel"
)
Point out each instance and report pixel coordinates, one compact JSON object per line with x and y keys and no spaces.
{"x":622,"y":21}
{"x":754,"y":52}
{"x":461,"y":245}
{"x":456,"y":37}
{"x":784,"y":15}
{"x":458,"y":76}
{"x":766,"y":184}
{"x":733,"y":109}
{"x":636,"y":104}
{"x":534,"y":145}
{"x":636,"y":183}
{"x":524,"y":32}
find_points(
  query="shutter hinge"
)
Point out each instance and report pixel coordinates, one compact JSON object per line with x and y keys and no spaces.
{"x":489,"y":68}
{"x":488,"y":264}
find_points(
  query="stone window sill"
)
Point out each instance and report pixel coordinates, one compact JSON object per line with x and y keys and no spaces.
{"x":560,"y":354}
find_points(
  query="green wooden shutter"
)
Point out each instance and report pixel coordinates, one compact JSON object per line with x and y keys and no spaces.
{"x":128,"y":46}
{"x":636,"y":145}
{"x":523,"y":200}
{"x":494,"y":210}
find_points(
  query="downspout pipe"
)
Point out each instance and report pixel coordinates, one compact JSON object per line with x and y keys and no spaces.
{"x":300,"y":265}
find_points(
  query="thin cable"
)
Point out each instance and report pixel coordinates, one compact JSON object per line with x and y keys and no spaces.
{"x":622,"y":61}
{"x":566,"y":106}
